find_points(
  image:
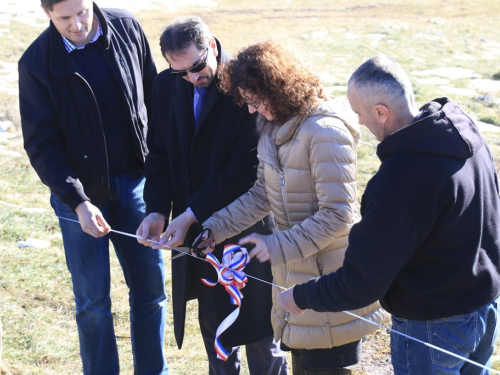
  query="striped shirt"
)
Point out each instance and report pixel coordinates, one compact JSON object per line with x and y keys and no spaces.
{"x":70,"y":47}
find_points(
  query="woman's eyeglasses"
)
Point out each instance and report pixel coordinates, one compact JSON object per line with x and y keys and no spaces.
{"x":255,"y":105}
{"x":194,"y":69}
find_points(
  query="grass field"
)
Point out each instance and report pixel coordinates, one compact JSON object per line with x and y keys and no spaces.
{"x":36,"y":303}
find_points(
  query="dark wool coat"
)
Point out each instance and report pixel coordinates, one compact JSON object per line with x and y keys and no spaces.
{"x":205,"y":170}
{"x":62,"y":129}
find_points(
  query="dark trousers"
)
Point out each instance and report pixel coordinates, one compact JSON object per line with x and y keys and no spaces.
{"x":337,"y":357}
{"x":264,"y":357}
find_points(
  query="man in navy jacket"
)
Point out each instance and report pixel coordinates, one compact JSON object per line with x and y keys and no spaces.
{"x":203,"y":156}
{"x":428,"y":243}
{"x":85,"y":93}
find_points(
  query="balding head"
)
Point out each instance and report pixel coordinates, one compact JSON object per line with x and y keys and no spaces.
{"x":381,"y":83}
{"x":382,"y":79}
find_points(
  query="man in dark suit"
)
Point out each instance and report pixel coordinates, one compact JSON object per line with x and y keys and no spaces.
{"x":202,"y":156}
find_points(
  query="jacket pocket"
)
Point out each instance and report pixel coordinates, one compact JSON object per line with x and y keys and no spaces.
{"x":87,"y":173}
{"x":77,"y":160}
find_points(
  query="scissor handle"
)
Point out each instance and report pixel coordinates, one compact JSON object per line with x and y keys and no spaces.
{"x":205,"y":233}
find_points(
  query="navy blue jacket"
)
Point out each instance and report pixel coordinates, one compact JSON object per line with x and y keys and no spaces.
{"x":206,"y":170}
{"x":62,"y":129}
{"x":428,"y":243}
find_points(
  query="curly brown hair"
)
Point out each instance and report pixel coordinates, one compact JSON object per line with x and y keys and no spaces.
{"x":276,"y":76}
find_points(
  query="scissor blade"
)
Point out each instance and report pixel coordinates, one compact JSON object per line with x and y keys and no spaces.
{"x":182,"y":251}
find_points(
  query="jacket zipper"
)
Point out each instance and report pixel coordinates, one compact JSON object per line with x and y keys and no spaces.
{"x":103,"y":183}
{"x":127,"y":73}
{"x":282,"y":188}
{"x":287,"y":314}
{"x":282,"y":170}
{"x":130,"y":100}
{"x":282,"y":183}
{"x":287,"y":270}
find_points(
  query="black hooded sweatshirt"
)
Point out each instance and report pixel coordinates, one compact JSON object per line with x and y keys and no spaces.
{"x":428,"y":243}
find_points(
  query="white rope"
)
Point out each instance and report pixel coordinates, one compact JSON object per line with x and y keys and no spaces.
{"x":346,"y":312}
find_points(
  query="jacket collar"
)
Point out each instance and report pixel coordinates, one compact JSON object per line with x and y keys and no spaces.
{"x":213,"y":90}
{"x":444,"y":130}
{"x":61,"y":64}
{"x":338,"y":108}
{"x":286,"y":131}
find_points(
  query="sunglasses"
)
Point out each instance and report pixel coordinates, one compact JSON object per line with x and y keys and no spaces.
{"x":195,"y":69}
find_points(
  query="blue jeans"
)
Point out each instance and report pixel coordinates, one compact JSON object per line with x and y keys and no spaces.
{"x":472,"y":335}
{"x":87,"y":259}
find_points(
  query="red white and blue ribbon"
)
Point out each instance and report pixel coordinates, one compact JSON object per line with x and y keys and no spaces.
{"x":231,"y":276}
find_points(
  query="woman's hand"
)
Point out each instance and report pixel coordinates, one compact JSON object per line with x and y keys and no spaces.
{"x":260,"y":250}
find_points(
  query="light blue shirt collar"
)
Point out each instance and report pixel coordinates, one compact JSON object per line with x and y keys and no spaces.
{"x":70,"y":47}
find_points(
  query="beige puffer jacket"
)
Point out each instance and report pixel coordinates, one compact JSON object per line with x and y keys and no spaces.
{"x":307,"y":178}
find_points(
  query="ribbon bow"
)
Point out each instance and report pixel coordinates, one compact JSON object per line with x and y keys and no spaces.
{"x":230,"y":275}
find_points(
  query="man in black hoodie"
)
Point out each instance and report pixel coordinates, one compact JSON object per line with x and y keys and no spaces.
{"x":428,"y":244}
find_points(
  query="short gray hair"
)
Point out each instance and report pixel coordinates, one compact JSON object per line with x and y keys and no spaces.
{"x":382,"y":76}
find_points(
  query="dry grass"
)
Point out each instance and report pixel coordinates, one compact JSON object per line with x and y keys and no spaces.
{"x":36,"y":303}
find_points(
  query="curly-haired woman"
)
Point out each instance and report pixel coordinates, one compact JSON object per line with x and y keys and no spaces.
{"x":307,"y":179}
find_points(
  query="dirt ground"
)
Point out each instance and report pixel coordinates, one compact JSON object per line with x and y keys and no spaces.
{"x":375,"y":359}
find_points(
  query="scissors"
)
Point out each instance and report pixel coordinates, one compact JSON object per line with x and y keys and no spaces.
{"x":183,"y":250}
{"x":194,"y":250}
